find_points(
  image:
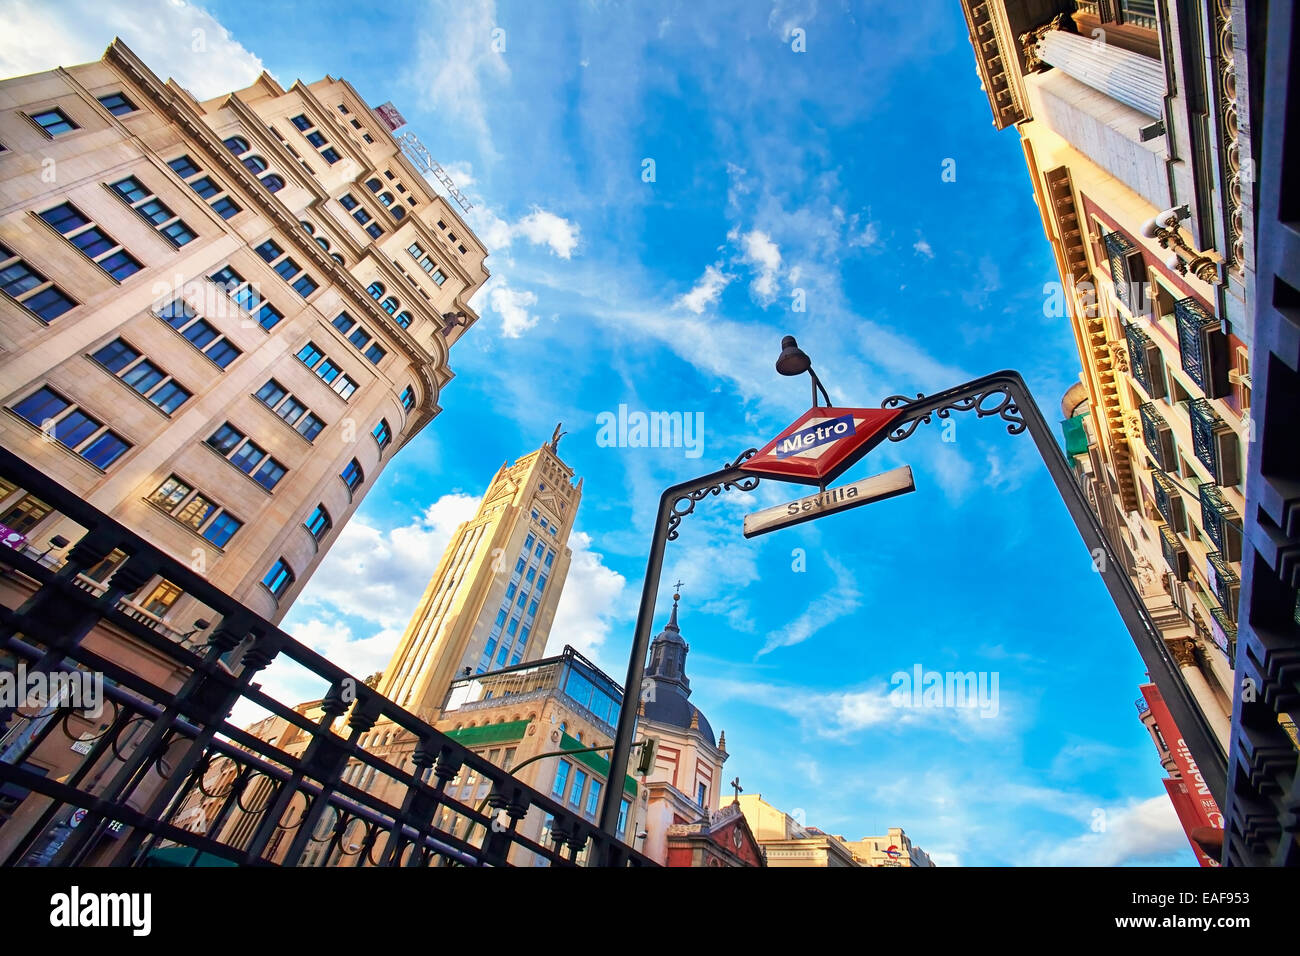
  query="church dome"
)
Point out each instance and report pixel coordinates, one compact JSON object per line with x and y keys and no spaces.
{"x":667,"y":687}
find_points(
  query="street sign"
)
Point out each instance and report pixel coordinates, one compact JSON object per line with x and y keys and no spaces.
{"x":822,"y":443}
{"x":876,"y":488}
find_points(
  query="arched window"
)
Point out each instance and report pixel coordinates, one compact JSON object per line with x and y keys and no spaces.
{"x":255,"y":164}
{"x":390,"y":305}
{"x":404,"y":319}
{"x":376,"y":291}
{"x":322,"y":243}
{"x":337,"y":258}
{"x":373,"y":185}
{"x":311,"y":230}
{"x":272,"y":182}
{"x":237,"y":145}
{"x":398,"y":212}
{"x":386,"y":198}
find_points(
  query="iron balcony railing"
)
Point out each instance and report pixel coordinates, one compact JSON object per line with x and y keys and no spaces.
{"x":164,"y":775}
{"x":1224,"y":631}
{"x":1202,"y":346}
{"x":1214,"y":442}
{"x":1224,"y":582}
{"x":1174,"y":552}
{"x":1144,"y":360}
{"x":1158,"y":437}
{"x":1119,"y":250}
{"x":1221,"y":522}
{"x":1168,"y":501}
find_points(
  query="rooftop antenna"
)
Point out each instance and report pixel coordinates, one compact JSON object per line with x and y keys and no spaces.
{"x":426,"y":164}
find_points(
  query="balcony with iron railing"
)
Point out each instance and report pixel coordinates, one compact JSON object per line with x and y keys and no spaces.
{"x":1119,"y":250}
{"x":1144,"y":358}
{"x":1223,"y":630}
{"x":1158,"y":437}
{"x":1214,"y":442}
{"x":1221,"y":522}
{"x":1169,"y":501}
{"x":1175,"y":553}
{"x":1224,"y":582}
{"x":1202,"y":346}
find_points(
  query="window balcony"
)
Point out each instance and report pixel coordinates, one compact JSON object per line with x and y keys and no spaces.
{"x":1215,"y":443}
{"x":1224,"y":632}
{"x":1221,"y":523}
{"x":1223,"y":582}
{"x":1203,"y":346}
{"x":1125,"y":259}
{"x":1159,"y":438}
{"x":1169,"y":502}
{"x":1144,"y":360}
{"x":1175,"y":554}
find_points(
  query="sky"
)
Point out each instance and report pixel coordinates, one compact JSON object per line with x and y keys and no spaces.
{"x":666,"y":190}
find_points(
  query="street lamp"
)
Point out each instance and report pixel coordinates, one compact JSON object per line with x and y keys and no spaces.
{"x":1005,"y":396}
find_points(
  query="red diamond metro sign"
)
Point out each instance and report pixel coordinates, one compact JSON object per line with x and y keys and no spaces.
{"x":822,"y":444}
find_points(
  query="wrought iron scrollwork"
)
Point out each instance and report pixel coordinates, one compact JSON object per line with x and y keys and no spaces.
{"x":985,"y":401}
{"x":685,"y":503}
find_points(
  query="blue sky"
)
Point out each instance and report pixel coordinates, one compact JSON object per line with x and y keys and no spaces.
{"x":776,"y":173}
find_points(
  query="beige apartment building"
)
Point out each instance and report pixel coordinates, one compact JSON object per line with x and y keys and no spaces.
{"x":894,"y":848}
{"x":222,"y":319}
{"x":1131,"y":118}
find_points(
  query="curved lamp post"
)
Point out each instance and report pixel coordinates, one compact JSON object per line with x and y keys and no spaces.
{"x":1005,"y":396}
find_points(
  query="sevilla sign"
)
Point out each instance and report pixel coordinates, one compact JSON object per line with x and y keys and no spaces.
{"x":822,"y":443}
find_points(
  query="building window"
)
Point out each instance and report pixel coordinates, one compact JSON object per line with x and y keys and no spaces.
{"x":153,"y":383}
{"x":389,"y":305}
{"x":561,"y":779}
{"x":383,"y":434}
{"x":302,"y":122}
{"x":196,"y":511}
{"x":408,"y":398}
{"x":246,"y":455}
{"x":71,"y":426}
{"x":374,"y":230}
{"x":579,"y":782}
{"x":387,"y":199}
{"x":293,"y":412}
{"x":593,"y":798}
{"x":318,"y":523}
{"x":273,"y":182}
{"x":117,"y":104}
{"x":375,"y":354}
{"x":352,"y":475}
{"x":225,"y":207}
{"x":330,"y":155}
{"x":236,"y":144}
{"x":30,"y":289}
{"x":152,"y":210}
{"x":98,"y":246}
{"x":255,"y":164}
{"x":374,"y":185}
{"x":404,"y":320}
{"x":199,"y":332}
{"x":161,"y":599}
{"x":311,"y":356}
{"x":53,"y":121}
{"x":361,"y":216}
{"x":269,"y":251}
{"x":184,"y":167}
{"x":279,"y":578}
{"x":347,"y":201}
{"x":376,"y":290}
{"x":305,"y":286}
{"x":701,"y":794}
{"x":623,"y":807}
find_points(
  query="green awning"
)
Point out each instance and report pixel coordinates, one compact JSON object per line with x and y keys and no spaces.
{"x":486,"y":734}
{"x":1076,"y":436}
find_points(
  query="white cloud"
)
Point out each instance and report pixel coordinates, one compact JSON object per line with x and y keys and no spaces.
{"x":543,"y":228}
{"x":512,"y":305}
{"x":592,"y":599}
{"x":706,"y":291}
{"x":456,"y":55}
{"x":839,"y":602}
{"x":540,"y":227}
{"x":922,"y":248}
{"x":765,"y":256}
{"x":868,"y":237}
{"x":379,"y":576}
{"x":174,"y":38}
{"x":1134,"y":833}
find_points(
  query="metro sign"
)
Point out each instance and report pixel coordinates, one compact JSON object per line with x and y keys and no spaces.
{"x":822,"y":444}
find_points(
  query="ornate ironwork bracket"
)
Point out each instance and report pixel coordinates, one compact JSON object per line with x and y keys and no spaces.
{"x":692,"y":495}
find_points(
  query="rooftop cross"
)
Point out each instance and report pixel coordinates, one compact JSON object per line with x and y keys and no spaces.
{"x":735,"y":785}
